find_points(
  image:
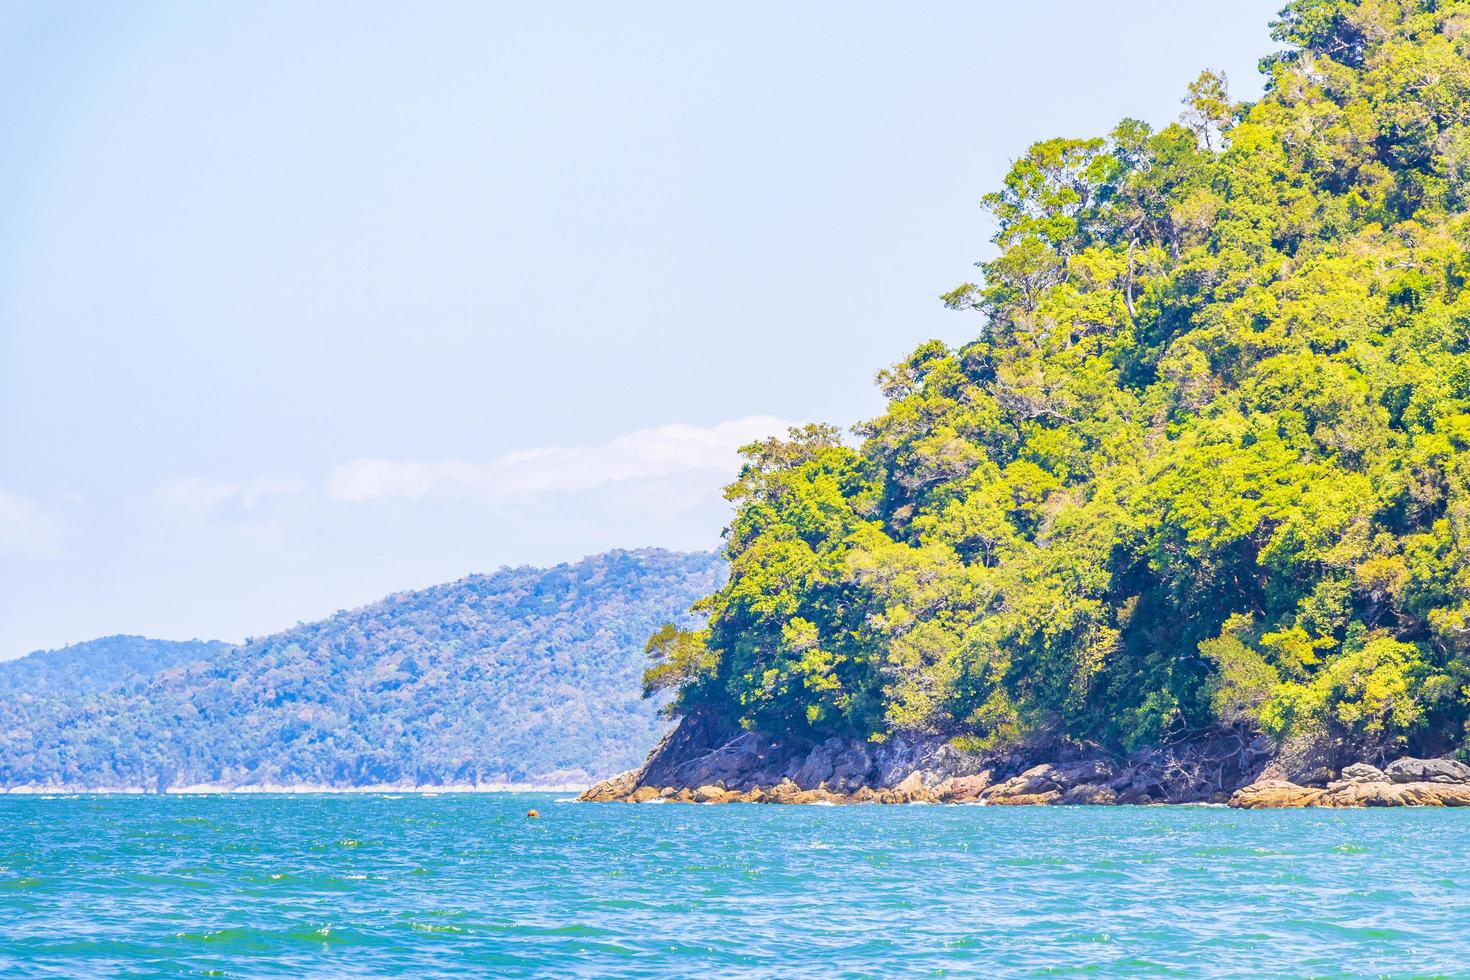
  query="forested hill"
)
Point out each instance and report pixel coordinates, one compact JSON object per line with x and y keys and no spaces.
{"x":1205,"y":465}
{"x":522,"y":675}
{"x":97,"y":665}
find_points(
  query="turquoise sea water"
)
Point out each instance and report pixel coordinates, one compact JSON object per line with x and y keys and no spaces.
{"x":466,"y":885}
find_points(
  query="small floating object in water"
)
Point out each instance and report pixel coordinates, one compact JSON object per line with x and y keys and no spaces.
{"x":533,"y":814}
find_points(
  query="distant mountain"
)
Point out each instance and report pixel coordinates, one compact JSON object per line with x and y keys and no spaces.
{"x":523,"y":675}
{"x":98,"y":665}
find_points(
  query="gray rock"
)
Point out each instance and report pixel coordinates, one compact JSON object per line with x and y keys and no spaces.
{"x":1428,"y":771}
{"x":1082,"y":773}
{"x":1361,"y":772}
{"x":1089,"y":794}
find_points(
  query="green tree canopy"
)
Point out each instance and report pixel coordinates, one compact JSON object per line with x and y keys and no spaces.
{"x":1204,"y":464}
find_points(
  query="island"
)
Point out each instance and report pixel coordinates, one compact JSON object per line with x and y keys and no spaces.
{"x":1188,"y":520}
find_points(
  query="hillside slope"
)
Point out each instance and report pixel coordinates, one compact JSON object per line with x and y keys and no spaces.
{"x":522,"y":675}
{"x":97,"y":665}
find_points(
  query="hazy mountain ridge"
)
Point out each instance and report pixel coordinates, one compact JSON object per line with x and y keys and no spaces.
{"x":99,"y":665}
{"x":522,"y":675}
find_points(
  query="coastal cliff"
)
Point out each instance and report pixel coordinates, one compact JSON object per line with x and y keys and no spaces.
{"x":701,"y":762}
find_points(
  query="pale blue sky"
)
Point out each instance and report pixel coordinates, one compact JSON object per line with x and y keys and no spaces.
{"x":305,"y":303}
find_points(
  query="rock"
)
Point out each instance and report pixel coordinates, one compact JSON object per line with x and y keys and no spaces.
{"x":1273,"y":770}
{"x":710,"y":794}
{"x":1354,"y":782}
{"x":1344,"y":793}
{"x":612,"y":789}
{"x":1036,"y":781}
{"x":1134,"y":795}
{"x":836,"y":764}
{"x":1401,"y":794}
{"x":644,"y":793}
{"x":1312,"y":760}
{"x":865,"y":794}
{"x":1089,"y":794}
{"x":1026,"y":799}
{"x":783,"y":792}
{"x":1361,"y":772}
{"x":1436,"y":794}
{"x":684,"y":796}
{"x":912,"y":784}
{"x":1428,"y":771}
{"x":1079,"y":773}
{"x":1271,"y":794}
{"x":959,"y":789}
{"x":910,"y":789}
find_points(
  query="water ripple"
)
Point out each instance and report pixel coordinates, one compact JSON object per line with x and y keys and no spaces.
{"x":415,"y":886}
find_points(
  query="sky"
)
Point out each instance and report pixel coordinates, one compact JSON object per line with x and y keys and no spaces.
{"x":302,"y":304}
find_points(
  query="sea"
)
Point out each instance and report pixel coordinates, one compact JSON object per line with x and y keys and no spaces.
{"x":418,"y":885}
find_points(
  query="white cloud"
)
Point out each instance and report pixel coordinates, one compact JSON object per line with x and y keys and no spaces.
{"x":27,"y":529}
{"x":201,"y":497}
{"x":648,"y":454}
{"x":233,"y":513}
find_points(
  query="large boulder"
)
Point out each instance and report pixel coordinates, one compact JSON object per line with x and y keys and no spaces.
{"x":1272,"y":794}
{"x":1081,"y":773}
{"x":960,"y":789}
{"x":1361,"y":772}
{"x":1135,"y":794}
{"x":1428,"y":771}
{"x":1026,"y":799}
{"x":1401,"y":794}
{"x":910,"y":789}
{"x":836,"y":763}
{"x":1089,"y":794}
{"x":608,"y":790}
{"x":785,"y":791}
{"x":1035,"y":781}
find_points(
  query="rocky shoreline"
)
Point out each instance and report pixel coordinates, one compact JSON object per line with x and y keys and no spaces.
{"x":699,"y":762}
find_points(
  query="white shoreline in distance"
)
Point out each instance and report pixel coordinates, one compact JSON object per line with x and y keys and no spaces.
{"x":212,"y":789}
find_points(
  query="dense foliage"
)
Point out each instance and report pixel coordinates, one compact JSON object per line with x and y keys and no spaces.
{"x":1204,"y":466}
{"x":96,"y":665}
{"x":523,"y":675}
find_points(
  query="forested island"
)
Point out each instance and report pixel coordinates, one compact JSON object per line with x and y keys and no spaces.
{"x":525,"y":676}
{"x":1191,"y":513}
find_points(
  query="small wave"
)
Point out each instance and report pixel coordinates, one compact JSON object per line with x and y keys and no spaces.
{"x":20,"y":883}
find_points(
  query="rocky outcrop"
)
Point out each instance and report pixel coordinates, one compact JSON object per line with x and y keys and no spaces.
{"x":619,"y":787}
{"x":1428,"y":771}
{"x":703,"y":762}
{"x":1275,"y":794}
{"x":1405,"y":782}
